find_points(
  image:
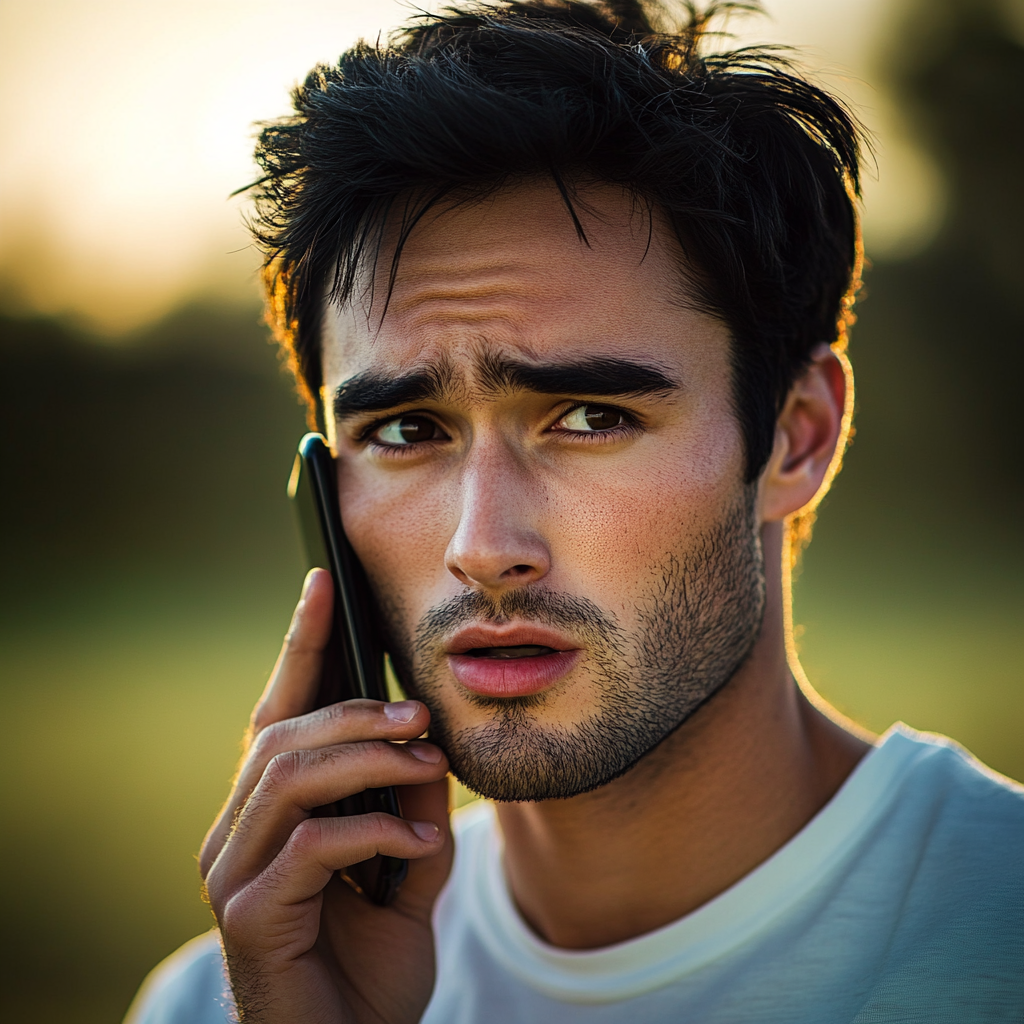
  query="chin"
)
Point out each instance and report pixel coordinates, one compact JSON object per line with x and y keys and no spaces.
{"x":515,"y":757}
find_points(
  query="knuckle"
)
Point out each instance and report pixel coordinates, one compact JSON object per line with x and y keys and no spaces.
{"x":235,"y":916}
{"x":215,"y":890}
{"x":326,"y":756}
{"x":333,"y":713}
{"x":282,"y":768}
{"x":377,"y":826}
{"x":269,"y":740}
{"x":260,"y":719}
{"x":368,"y":749}
{"x":306,"y":837}
{"x":360,"y":761}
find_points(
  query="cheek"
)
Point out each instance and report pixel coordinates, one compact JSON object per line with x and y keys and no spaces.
{"x":399,"y":525}
{"x":611,"y":530}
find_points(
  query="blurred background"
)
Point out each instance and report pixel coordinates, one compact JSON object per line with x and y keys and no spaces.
{"x":148,"y":558}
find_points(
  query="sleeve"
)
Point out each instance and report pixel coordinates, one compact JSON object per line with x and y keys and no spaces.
{"x":189,"y":987}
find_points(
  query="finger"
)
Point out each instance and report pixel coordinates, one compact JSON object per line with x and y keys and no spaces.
{"x":351,"y":721}
{"x":291,"y":689}
{"x":315,"y":850}
{"x":296,"y":782}
{"x":428,"y":802}
{"x":348,"y":722}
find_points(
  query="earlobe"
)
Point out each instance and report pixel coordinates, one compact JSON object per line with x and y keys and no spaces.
{"x":809,"y":435}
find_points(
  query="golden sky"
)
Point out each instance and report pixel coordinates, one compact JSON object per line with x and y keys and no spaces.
{"x":125,"y":124}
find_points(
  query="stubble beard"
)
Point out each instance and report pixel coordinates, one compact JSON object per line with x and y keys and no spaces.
{"x":696,"y":627}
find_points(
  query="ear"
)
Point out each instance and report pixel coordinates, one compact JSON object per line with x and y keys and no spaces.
{"x":808,"y":434}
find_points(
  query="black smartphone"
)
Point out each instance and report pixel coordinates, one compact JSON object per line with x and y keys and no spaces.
{"x":354,"y":657}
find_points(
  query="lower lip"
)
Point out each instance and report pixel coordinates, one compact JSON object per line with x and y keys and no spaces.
{"x":511,"y":677}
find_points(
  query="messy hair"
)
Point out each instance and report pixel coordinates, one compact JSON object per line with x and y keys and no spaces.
{"x":755,"y":168}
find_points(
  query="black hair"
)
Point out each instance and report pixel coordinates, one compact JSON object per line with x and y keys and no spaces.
{"x":755,"y":167}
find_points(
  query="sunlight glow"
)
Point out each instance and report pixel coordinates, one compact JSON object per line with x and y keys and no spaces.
{"x":125,"y":126}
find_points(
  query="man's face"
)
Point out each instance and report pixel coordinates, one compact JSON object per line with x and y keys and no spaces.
{"x":541,"y":470}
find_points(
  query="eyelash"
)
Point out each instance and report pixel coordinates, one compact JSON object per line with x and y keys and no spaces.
{"x":396,"y":451}
{"x":630,"y":425}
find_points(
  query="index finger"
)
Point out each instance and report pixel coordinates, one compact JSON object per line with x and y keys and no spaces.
{"x":292,"y":687}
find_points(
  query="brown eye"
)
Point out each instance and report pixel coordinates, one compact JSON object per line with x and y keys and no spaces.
{"x":601,"y":417}
{"x":589,"y":419}
{"x":409,"y":430}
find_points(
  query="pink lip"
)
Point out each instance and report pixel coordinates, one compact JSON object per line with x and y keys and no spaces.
{"x":517,"y":677}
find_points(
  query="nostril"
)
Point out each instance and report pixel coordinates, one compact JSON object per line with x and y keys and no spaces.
{"x":520,"y":570}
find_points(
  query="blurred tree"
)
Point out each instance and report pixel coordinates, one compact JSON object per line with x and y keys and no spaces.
{"x":165,"y":452}
{"x":963,"y":82}
{"x":939,"y":349}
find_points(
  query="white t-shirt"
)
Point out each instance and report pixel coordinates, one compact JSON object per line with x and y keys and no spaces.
{"x":901,"y":901}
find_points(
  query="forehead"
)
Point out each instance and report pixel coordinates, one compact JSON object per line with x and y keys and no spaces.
{"x":509,"y":276}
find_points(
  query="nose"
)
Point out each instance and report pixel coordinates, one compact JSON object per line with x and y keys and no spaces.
{"x":496,"y":546}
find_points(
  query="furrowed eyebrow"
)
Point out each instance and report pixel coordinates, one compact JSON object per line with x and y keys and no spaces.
{"x":604,"y":378}
{"x":372,"y":391}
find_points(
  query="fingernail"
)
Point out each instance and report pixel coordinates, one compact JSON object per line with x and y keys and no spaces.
{"x":426,"y":830}
{"x":401,"y":711}
{"x":425,"y":752}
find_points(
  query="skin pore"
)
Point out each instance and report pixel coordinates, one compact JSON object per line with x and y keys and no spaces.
{"x":493,"y":476}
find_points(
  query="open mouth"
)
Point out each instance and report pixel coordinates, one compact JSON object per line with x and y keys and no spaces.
{"x":511,"y":653}
{"x":516,"y":670}
{"x":511,"y":660}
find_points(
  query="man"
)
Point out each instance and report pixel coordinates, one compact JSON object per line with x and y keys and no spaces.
{"x":571,"y":299}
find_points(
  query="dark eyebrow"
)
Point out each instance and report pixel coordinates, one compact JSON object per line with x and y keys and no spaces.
{"x":372,"y":391}
{"x":603,"y":378}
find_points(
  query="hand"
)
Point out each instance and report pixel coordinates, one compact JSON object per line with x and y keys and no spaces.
{"x":301,"y":946}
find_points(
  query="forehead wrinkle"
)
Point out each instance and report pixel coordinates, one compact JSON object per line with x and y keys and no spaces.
{"x":451,"y":290}
{"x":448,"y":294}
{"x":442,"y":278}
{"x":497,"y":315}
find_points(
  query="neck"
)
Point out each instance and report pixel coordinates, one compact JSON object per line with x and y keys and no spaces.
{"x":699,"y":812}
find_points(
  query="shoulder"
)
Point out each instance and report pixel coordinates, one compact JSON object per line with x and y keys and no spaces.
{"x":955,"y":789}
{"x":951,"y":865}
{"x":954,"y":832}
{"x":965,"y":821}
{"x":189,"y":987}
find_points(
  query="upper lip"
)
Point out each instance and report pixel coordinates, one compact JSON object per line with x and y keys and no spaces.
{"x":472,"y":637}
